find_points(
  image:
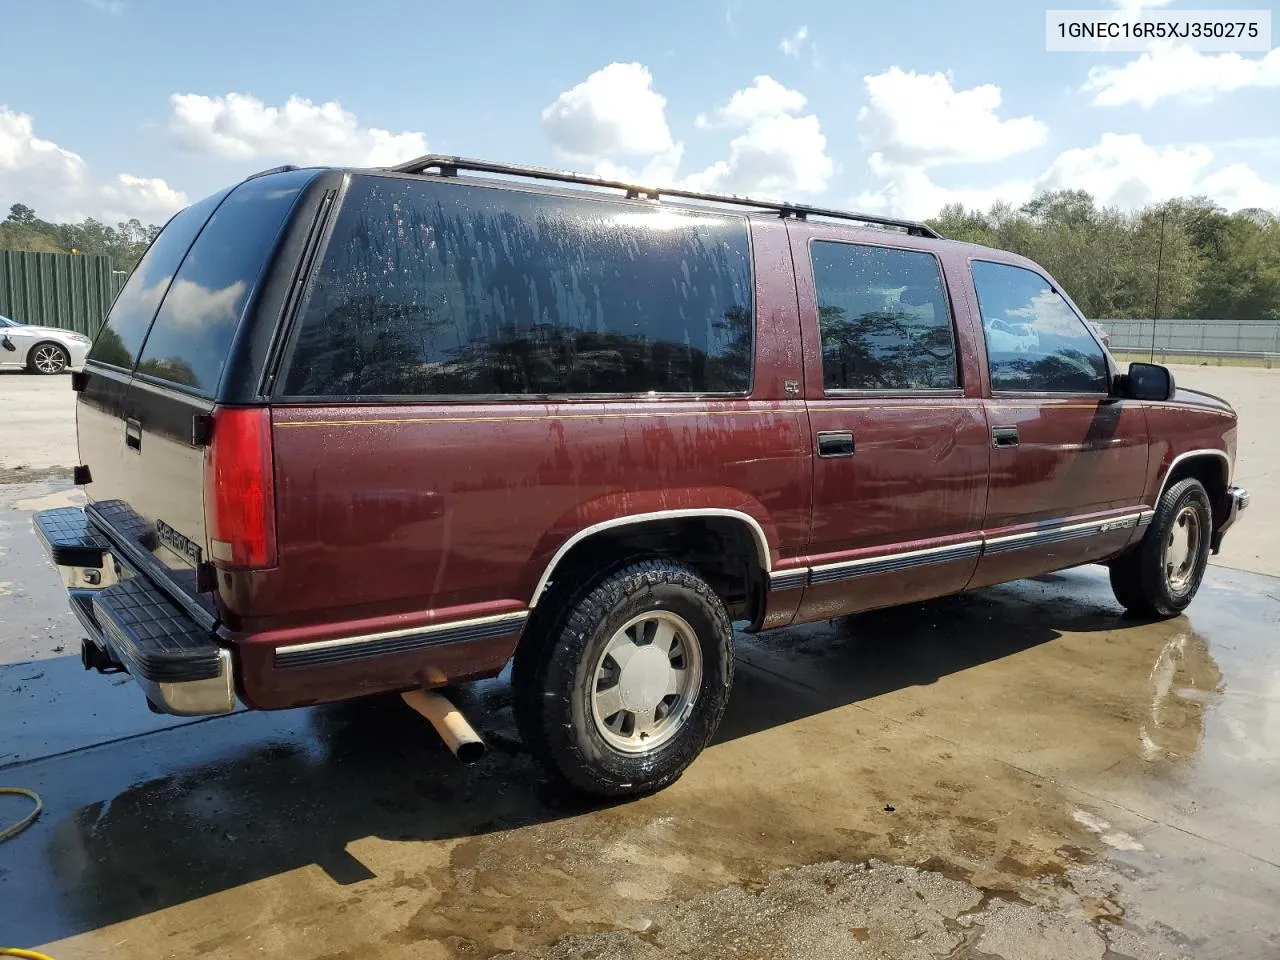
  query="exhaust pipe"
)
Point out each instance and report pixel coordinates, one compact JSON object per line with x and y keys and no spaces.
{"x":449,"y":722}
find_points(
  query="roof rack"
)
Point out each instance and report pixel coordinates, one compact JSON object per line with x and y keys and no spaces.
{"x":450,"y":166}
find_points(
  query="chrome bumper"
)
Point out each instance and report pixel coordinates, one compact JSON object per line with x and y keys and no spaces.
{"x":180,"y":668}
{"x":1238,"y":502}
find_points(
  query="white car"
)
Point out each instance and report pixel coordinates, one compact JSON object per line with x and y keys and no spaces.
{"x":41,"y":349}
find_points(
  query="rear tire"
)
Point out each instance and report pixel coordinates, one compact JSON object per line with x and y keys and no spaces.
{"x":1161,"y":575}
{"x":623,"y":688}
{"x":47,"y":358}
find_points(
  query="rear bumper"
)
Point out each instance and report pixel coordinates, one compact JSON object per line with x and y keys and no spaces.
{"x":1237,"y":503}
{"x":178,"y":664}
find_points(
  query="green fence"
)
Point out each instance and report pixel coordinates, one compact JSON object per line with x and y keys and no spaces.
{"x":57,"y":289}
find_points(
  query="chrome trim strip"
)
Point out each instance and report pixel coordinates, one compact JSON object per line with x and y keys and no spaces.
{"x":757,"y":531}
{"x":495,"y":625}
{"x":1164,"y":483}
{"x":1059,"y":532}
{"x":789,"y":579}
{"x":893,"y":562}
{"x":1145,"y":517}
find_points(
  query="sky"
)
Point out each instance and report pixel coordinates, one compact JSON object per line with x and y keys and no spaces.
{"x":133,"y":108}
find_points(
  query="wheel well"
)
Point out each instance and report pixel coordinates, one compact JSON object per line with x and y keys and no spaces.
{"x":41,"y":343}
{"x":723,"y":550}
{"x":1211,"y":471}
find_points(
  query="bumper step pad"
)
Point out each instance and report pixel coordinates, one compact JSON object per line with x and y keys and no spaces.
{"x":69,"y":539}
{"x":153,"y":636}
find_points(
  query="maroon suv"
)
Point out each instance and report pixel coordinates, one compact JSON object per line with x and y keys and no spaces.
{"x":353,"y":431}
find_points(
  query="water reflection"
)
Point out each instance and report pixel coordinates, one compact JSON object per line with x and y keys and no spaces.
{"x":1184,"y":681}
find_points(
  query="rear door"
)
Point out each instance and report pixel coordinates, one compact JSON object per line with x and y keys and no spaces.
{"x":896,"y":419}
{"x":158,"y":365}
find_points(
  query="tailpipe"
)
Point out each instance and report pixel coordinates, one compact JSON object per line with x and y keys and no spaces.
{"x":457,"y":734}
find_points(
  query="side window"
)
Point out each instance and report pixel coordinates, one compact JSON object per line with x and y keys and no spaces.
{"x":883,"y":317}
{"x":190,"y":339}
{"x":1035,"y":341}
{"x":119,"y":340}
{"x":431,"y":288}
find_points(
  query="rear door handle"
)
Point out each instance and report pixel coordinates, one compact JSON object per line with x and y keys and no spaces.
{"x":1004,"y":436}
{"x":835,"y":443}
{"x":133,"y":434}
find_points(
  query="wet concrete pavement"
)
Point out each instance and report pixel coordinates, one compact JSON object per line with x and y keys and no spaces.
{"x":1018,"y":772}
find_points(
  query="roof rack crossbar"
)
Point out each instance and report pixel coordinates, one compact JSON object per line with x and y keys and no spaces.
{"x":450,"y":166}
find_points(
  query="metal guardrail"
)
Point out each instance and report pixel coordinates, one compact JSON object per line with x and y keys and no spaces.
{"x":1205,"y":338}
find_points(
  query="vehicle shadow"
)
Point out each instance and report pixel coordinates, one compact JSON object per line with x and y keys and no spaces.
{"x":187,"y":812}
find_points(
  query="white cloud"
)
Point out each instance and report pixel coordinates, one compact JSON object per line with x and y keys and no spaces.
{"x":661,"y":169}
{"x":1238,"y":185}
{"x":778,"y":156}
{"x":1125,"y":171}
{"x":59,"y":185}
{"x":1179,"y":71}
{"x":921,"y":119}
{"x":1120,"y":170}
{"x":764,"y":97}
{"x":909,"y":191}
{"x":614,"y":113}
{"x":150,"y":199}
{"x":792,"y":45}
{"x":615,"y":122}
{"x":241,"y":127}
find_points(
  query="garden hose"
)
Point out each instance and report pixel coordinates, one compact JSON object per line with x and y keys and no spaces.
{"x":13,"y":831}
{"x":17,"y":828}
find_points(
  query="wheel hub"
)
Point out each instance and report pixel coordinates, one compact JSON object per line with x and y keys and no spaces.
{"x":1182,"y":549}
{"x":643,"y":681}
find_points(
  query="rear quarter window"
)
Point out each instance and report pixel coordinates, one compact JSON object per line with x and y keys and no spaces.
{"x":440,"y":289}
{"x":191,"y":337}
{"x":135,"y":307}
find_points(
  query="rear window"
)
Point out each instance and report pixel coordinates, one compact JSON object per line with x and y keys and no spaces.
{"x":118,"y":342}
{"x":443,"y":289}
{"x":192,"y":333}
{"x":884,"y":318}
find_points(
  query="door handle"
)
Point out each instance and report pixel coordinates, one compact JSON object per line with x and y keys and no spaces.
{"x":133,"y":434}
{"x":1004,"y":436}
{"x":835,"y":443}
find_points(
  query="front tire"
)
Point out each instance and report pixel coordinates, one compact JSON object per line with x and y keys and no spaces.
{"x":627,"y":685}
{"x":1161,"y":575}
{"x":47,"y":358}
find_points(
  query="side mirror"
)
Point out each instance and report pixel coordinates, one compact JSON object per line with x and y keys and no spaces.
{"x":8,"y":344}
{"x":1147,"y":381}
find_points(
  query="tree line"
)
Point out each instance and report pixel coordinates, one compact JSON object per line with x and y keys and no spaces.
{"x":124,"y":243}
{"x":1181,"y":258}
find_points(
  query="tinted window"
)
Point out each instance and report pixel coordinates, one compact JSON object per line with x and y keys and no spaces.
{"x":135,"y":307}
{"x":191,"y":337}
{"x":433,"y":288}
{"x":884,"y":319}
{"x":1035,"y":341}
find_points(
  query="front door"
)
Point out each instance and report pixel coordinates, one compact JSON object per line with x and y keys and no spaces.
{"x":1068,"y":461}
{"x":900,"y":437}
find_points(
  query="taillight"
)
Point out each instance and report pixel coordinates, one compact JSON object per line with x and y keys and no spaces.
{"x":240,"y":500}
